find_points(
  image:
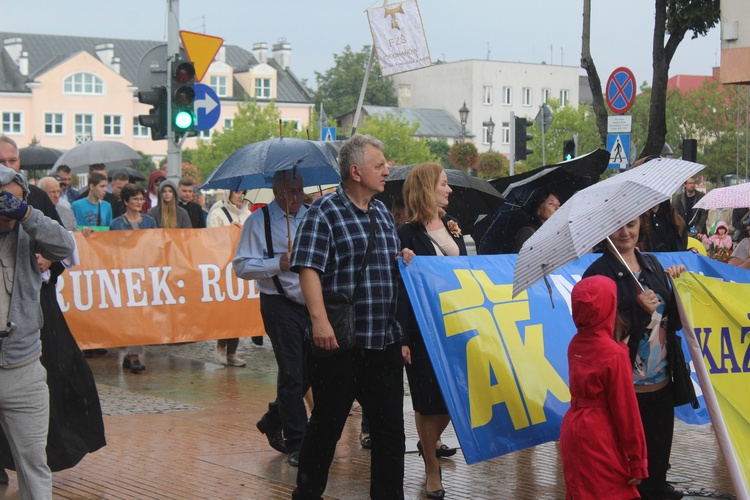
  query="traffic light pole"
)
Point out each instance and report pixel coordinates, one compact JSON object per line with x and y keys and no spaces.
{"x":174,"y":149}
{"x":512,"y":143}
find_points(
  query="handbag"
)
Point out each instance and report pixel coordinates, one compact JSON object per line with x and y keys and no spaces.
{"x":340,"y":307}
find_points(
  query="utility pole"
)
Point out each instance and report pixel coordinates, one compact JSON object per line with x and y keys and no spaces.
{"x":512,"y":143}
{"x":174,"y":148}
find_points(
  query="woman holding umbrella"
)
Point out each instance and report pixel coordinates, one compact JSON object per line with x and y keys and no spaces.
{"x":429,"y":231}
{"x":646,"y":304}
{"x":545,"y":204}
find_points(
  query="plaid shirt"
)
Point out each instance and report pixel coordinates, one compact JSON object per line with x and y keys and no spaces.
{"x":332,"y":239}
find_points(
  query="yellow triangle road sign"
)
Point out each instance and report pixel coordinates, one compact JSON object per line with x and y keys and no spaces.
{"x":201,"y":49}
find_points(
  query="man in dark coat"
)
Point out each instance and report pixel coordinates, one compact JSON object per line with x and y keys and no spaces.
{"x":186,"y":193}
{"x":683,"y":203}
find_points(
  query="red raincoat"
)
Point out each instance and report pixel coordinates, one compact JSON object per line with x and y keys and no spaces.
{"x":601,"y":440}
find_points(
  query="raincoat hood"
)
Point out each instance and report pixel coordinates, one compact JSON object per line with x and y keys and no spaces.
{"x":724,"y":225}
{"x":165,"y":184}
{"x":594,"y":301}
{"x":152,"y":179}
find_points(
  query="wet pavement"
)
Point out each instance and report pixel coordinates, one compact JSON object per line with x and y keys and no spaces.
{"x":185,"y":429}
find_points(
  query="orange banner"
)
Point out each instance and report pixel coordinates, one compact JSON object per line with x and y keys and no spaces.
{"x":157,"y":286}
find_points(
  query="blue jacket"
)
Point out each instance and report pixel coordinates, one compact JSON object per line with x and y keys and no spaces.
{"x":120,"y":223}
{"x":37,"y":234}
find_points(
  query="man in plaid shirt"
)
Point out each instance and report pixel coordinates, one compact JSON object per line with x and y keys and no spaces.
{"x":329,"y":249}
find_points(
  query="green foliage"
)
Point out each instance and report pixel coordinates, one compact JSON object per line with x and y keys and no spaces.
{"x":401,"y":147}
{"x":440,"y":150}
{"x":566,"y":122}
{"x":464,"y":155}
{"x":145,"y":166}
{"x":252,"y":123}
{"x":339,"y":86}
{"x":492,"y":165}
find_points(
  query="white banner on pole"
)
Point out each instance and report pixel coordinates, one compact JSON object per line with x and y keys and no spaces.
{"x":399,"y":38}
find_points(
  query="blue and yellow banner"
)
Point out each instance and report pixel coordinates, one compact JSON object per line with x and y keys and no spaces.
{"x":719,"y":315}
{"x":502,"y":361}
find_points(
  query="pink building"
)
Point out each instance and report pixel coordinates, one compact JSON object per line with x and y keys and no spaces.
{"x":63,"y":90}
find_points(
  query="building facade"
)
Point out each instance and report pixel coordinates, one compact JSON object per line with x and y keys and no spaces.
{"x":491,"y":90}
{"x":735,"y":41}
{"x":61,"y":91}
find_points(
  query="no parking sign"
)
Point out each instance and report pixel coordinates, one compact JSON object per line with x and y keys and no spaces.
{"x":620,"y":90}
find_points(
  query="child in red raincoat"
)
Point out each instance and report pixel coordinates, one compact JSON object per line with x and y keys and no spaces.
{"x":602,"y":443}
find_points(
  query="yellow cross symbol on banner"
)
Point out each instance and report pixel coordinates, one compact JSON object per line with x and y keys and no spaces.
{"x":201,"y":49}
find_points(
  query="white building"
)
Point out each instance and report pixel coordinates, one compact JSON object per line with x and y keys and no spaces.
{"x":491,"y":89}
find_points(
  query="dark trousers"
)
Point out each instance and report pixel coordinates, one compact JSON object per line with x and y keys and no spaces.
{"x":286,"y":323}
{"x":657,"y":415}
{"x":229,"y":344}
{"x":376,"y":379}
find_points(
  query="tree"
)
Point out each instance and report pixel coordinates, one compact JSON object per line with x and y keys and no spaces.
{"x":397,"y":134}
{"x":440,"y":150}
{"x":144,"y":166}
{"x":673,"y":17}
{"x":566,"y":122}
{"x":252,"y":123}
{"x":339,"y":86}
{"x":492,"y":165}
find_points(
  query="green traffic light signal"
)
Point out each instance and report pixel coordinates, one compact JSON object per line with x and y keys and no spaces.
{"x":183,"y":96}
{"x":184,"y":120}
{"x":569,"y":149}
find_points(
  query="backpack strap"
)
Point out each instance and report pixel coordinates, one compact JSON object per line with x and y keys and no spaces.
{"x":269,"y":246}
{"x":229,"y":216}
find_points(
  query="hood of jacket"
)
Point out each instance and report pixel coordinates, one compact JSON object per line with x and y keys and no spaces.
{"x":244,"y":207}
{"x":165,"y":184}
{"x":156,"y":174}
{"x":594,"y":304}
{"x":724,"y":225}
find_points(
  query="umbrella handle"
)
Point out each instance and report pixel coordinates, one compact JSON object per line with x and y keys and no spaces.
{"x":619,"y":256}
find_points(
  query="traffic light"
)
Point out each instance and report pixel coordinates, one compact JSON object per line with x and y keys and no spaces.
{"x":183,"y":96}
{"x":156,"y":119}
{"x":522,"y":137}
{"x":569,"y":149}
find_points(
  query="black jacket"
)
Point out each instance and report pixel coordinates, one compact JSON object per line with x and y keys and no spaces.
{"x":195,"y":212}
{"x":414,"y":237}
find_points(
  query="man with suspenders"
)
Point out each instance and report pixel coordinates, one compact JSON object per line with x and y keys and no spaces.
{"x":263,"y":254}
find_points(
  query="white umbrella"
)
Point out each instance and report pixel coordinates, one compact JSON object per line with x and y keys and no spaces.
{"x":112,"y":154}
{"x":594,"y":213}
{"x":737,"y":196}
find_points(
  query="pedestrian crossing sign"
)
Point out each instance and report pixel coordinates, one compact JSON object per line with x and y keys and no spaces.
{"x":618,"y":146}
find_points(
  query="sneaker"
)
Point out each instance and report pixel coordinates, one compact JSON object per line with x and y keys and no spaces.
{"x":220,"y":355}
{"x":235,"y":361}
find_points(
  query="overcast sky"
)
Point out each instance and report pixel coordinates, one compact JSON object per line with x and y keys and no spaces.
{"x":508,"y":30}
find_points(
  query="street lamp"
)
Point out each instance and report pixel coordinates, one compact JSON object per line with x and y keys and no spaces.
{"x":667,"y":151}
{"x":463,"y":113}
{"x":490,"y":125}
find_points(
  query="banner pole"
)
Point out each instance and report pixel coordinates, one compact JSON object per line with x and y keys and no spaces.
{"x":362,"y":92}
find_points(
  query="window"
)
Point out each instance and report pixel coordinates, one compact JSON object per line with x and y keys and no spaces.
{"x":53,"y":123}
{"x":228,"y":123}
{"x":219,"y":85}
{"x":294,"y":123}
{"x":526,"y":96}
{"x":11,"y":122}
{"x":204,"y":134}
{"x":84,"y":128}
{"x":507,"y":96}
{"x":485,"y":135}
{"x":112,"y":125}
{"x":545,"y":95}
{"x":487,"y":95}
{"x":263,"y":88}
{"x":83,"y":83}
{"x":505,"y":131}
{"x":563,"y":98}
{"x":138,"y":130}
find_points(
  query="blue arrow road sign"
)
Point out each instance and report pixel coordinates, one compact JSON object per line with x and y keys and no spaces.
{"x":207,"y":107}
{"x":618,"y":146}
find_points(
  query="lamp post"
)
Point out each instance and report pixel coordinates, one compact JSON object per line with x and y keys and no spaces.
{"x":463,"y":113}
{"x":490,"y":125}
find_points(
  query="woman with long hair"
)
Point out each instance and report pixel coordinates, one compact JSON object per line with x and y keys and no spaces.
{"x":545,"y":204}
{"x":167,"y":214}
{"x":646,"y":305}
{"x":428,"y":231}
{"x":133,"y":196}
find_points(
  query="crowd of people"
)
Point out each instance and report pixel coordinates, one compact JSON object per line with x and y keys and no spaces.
{"x":615,"y":440}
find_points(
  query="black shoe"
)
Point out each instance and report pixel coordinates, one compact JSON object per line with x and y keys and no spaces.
{"x":293,"y":459}
{"x":365,"y":441}
{"x":3,"y":477}
{"x":135,"y":366}
{"x":672,"y":494}
{"x":273,"y":434}
{"x":438,"y":494}
{"x":257,"y":340}
{"x":444,"y":451}
{"x":90,"y":353}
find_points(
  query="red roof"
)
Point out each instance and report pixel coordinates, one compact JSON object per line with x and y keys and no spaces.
{"x":690,"y":82}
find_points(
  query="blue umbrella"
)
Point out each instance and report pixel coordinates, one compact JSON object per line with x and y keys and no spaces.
{"x":253,"y":166}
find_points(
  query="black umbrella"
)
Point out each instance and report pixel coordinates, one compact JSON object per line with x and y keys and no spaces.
{"x":496,"y":233}
{"x":134,"y":174}
{"x":38,"y":157}
{"x":471,"y":196}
